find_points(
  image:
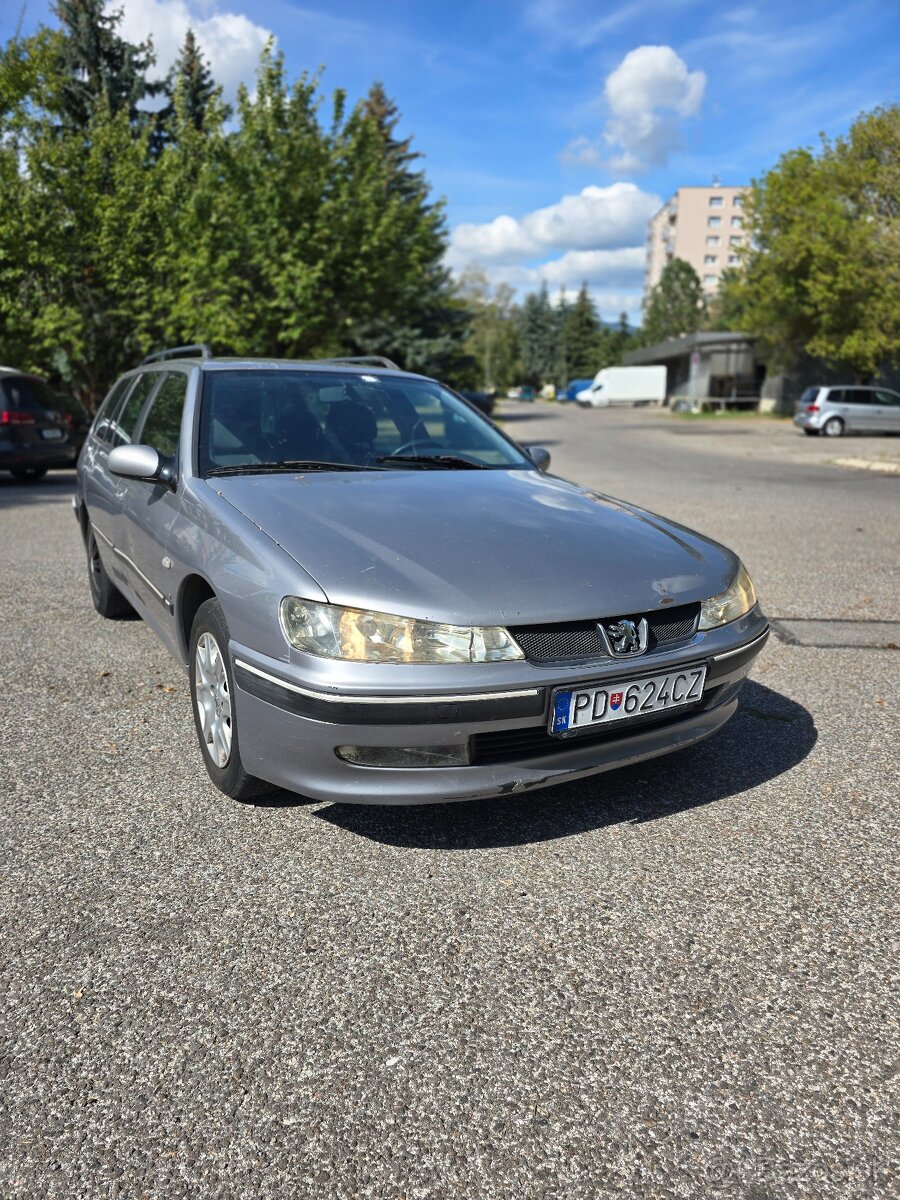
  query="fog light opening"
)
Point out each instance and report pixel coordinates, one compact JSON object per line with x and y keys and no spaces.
{"x":405,"y":756}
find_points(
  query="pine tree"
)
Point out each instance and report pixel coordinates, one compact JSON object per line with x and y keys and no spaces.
{"x":97,"y":65}
{"x":582,"y":336}
{"x":192,"y":76}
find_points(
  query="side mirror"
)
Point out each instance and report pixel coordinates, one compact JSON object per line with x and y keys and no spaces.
{"x":539,"y":456}
{"x":140,"y":462}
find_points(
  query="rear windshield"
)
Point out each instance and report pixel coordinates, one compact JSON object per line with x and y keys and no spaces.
{"x":24,"y":394}
{"x":267,"y":417}
{"x":809,"y":395}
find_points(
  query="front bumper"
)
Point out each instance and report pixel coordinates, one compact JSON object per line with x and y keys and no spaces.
{"x":289,"y":731}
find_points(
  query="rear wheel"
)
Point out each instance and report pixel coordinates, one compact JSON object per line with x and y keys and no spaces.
{"x":212,"y":700}
{"x":29,"y":474}
{"x":108,"y":600}
{"x":833,"y":427}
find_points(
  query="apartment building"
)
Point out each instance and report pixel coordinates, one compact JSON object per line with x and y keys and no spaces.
{"x":702,"y":225}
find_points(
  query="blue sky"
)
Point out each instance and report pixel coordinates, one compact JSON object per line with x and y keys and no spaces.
{"x":554,"y":128}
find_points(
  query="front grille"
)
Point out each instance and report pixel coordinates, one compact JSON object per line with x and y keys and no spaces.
{"x":513,"y":745}
{"x":574,"y":640}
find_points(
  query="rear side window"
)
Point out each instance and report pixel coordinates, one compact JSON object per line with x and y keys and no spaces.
{"x":23,"y":394}
{"x":102,"y":428}
{"x":122,"y":426}
{"x":162,"y":425}
{"x":834,"y":396}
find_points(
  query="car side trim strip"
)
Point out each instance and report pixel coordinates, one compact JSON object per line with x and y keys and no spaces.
{"x":443,"y":698}
{"x":742,"y":649}
{"x":386,"y":710}
{"x":160,"y":596}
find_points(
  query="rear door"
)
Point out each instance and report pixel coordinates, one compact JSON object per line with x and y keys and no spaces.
{"x":887,"y":411}
{"x":860,"y":406}
{"x":150,"y":509}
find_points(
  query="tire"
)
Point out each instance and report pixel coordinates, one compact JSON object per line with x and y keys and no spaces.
{"x":833,"y":427}
{"x":811,"y":432}
{"x":212,"y":703}
{"x":108,"y":600}
{"x":28,"y":474}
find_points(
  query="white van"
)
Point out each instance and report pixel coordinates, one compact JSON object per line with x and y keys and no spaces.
{"x":625,"y":385}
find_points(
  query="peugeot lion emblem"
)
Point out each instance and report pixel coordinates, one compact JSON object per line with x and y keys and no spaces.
{"x":625,"y":637}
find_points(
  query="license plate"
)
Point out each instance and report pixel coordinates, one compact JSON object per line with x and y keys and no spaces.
{"x":51,"y":433}
{"x":574,"y":709}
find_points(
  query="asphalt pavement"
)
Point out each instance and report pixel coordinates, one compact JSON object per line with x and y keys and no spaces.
{"x":674,"y":980}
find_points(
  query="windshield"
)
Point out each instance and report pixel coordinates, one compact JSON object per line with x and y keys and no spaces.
{"x":25,"y":394}
{"x":264,"y":418}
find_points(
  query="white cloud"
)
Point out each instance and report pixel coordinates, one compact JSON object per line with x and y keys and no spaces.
{"x":597,"y":218}
{"x":647,"y":93}
{"x":231,"y":42}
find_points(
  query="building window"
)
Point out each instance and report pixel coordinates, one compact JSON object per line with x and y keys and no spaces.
{"x":715,"y":202}
{"x":735,"y":241}
{"x":707,"y":279}
{"x":713,"y":222}
{"x":733,"y":260}
{"x":738,"y":202}
{"x":737,"y":222}
{"x":713,"y":240}
{"x":710,"y":259}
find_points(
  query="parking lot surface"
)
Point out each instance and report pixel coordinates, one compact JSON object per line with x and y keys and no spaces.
{"x":678,"y":979}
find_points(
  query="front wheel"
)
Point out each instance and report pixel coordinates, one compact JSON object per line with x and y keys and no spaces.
{"x":212,"y":701}
{"x":833,"y":427}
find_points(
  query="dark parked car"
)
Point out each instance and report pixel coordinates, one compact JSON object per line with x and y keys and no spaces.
{"x":485,"y":402}
{"x":76,"y":416}
{"x":33,"y":434}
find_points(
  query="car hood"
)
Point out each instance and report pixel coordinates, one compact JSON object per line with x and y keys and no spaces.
{"x":479,"y":547}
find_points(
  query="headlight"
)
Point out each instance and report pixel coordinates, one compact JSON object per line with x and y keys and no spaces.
{"x":730,"y":604}
{"x":360,"y":636}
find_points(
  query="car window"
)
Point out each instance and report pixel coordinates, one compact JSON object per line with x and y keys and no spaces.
{"x":102,"y":427}
{"x":255,"y":417}
{"x":888,"y":398}
{"x":834,"y":396}
{"x":858,"y":396}
{"x":24,"y":394}
{"x":162,"y":425}
{"x":808,"y":395}
{"x":122,"y":425}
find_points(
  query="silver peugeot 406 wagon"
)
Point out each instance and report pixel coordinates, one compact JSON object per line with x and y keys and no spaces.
{"x":380,"y":598}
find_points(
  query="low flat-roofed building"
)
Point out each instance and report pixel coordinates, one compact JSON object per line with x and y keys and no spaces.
{"x":706,"y":367}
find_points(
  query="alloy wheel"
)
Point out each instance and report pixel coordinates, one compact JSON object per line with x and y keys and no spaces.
{"x":213,"y":699}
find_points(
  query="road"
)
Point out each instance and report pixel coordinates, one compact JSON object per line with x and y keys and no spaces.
{"x":676,"y":980}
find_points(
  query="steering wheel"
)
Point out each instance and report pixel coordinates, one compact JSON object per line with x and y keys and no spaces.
{"x":418,"y":444}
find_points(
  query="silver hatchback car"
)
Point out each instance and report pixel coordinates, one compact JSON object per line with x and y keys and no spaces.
{"x":380,"y":598}
{"x":835,"y":411}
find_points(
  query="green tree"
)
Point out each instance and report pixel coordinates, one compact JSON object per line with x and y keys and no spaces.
{"x":538,"y":338}
{"x":823,"y":273}
{"x":676,"y":305}
{"x":492,"y":341}
{"x":199,"y":91}
{"x":582,"y":333}
{"x":97,"y":66}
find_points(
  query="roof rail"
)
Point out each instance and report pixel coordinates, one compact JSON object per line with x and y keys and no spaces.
{"x":363,"y":360}
{"x":194,"y":350}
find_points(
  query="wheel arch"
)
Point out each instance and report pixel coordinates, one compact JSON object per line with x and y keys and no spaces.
{"x":194,"y":591}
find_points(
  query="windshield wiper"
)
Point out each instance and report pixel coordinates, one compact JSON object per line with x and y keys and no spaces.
{"x":447,"y":462}
{"x":286,"y":467}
